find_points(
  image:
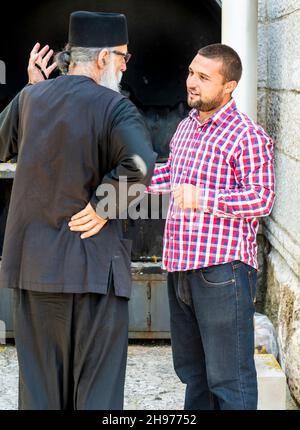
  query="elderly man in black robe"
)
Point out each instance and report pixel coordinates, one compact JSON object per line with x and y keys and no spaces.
{"x":69,"y":266}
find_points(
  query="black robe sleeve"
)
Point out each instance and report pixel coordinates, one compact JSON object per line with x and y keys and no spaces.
{"x":130,"y":152}
{"x":9,"y":120}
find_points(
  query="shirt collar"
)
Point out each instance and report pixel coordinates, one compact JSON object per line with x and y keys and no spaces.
{"x":218,"y":117}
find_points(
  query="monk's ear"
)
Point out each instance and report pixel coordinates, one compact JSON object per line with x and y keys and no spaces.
{"x":102,"y":59}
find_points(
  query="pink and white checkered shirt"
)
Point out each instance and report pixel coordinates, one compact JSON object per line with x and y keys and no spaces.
{"x":231,"y":159}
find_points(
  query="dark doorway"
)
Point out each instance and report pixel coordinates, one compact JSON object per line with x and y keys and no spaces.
{"x":164,"y":37}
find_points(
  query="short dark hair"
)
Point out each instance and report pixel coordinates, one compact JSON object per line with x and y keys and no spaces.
{"x":232,"y":65}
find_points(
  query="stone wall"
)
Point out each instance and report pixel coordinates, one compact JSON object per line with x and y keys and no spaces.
{"x":279,"y":113}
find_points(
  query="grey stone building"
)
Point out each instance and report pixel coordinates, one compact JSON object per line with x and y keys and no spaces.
{"x":279,"y":113}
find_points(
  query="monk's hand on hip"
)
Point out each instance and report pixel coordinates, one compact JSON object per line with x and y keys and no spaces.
{"x":87,"y":221}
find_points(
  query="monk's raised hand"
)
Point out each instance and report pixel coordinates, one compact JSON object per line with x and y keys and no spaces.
{"x":38,"y":69}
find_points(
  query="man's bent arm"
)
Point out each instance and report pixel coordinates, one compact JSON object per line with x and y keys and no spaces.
{"x":254,"y":168}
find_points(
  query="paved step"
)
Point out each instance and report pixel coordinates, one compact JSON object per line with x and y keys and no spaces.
{"x":271,"y":383}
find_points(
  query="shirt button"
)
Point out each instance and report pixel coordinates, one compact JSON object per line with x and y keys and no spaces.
{"x":171,"y":237}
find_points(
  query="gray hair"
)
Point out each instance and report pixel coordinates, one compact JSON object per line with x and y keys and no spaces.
{"x":71,"y":56}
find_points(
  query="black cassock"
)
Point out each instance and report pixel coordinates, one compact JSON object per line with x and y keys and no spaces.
{"x":71,"y":135}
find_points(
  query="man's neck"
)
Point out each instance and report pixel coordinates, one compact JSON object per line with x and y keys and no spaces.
{"x":203,"y":116}
{"x":76,"y":70}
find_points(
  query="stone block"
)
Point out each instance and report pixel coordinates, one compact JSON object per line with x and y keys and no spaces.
{"x":283,"y":119}
{"x":262,"y":55}
{"x":287,"y":204}
{"x":262,"y":10}
{"x":271,"y":382}
{"x":282,"y":307}
{"x":261,"y":275}
{"x":283,"y":60}
{"x":283,"y":243}
{"x":279,"y":8}
{"x":262,"y":108}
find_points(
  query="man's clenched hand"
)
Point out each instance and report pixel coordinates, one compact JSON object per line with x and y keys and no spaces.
{"x":188,"y":196}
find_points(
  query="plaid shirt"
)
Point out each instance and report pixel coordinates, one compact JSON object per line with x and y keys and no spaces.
{"x":231,"y":159}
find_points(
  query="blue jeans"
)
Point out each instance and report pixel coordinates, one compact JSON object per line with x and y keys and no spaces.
{"x":212,"y":335}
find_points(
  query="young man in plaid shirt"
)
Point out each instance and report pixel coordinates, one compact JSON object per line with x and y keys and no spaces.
{"x":220,"y":175}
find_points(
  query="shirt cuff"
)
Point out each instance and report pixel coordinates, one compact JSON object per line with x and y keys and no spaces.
{"x":211,"y":201}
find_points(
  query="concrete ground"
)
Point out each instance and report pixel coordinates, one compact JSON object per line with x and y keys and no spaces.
{"x":151,"y":382}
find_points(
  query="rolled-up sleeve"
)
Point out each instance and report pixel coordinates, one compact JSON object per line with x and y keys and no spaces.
{"x":254,"y":171}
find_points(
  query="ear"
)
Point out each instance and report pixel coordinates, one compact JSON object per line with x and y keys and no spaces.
{"x":102,"y":59}
{"x":230,"y":87}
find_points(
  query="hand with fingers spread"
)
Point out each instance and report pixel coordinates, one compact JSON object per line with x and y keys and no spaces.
{"x":87,"y":221}
{"x":38,"y":69}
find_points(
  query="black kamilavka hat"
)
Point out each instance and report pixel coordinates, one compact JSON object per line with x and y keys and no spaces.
{"x":97,"y":29}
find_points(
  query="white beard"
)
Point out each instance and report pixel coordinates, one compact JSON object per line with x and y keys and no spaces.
{"x":111,"y":79}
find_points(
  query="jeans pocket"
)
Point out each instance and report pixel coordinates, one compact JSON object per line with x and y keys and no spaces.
{"x":218,"y":275}
{"x":252,"y":277}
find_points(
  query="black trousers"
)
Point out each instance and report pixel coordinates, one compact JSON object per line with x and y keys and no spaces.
{"x":72,"y":350}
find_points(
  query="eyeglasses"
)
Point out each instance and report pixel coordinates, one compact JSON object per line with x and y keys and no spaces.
{"x":126,"y":55}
